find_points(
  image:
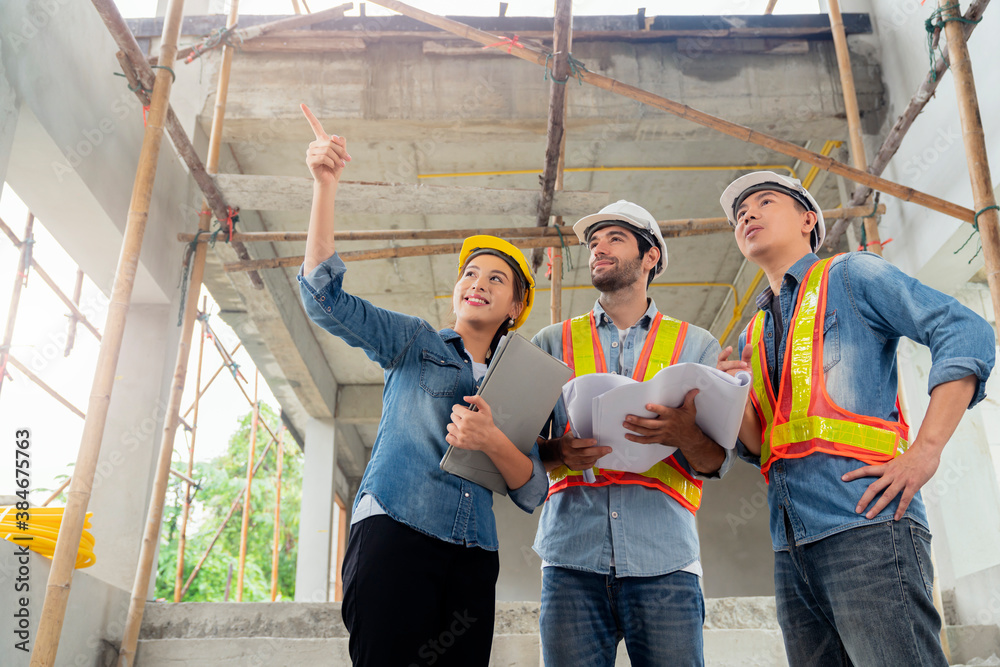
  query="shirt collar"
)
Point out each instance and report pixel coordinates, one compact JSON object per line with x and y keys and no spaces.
{"x":602,"y":318}
{"x":796,"y":273}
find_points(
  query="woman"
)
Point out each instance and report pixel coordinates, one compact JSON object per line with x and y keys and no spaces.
{"x":421,"y":564}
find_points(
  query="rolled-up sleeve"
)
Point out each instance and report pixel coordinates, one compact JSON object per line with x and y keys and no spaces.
{"x":532,"y":493}
{"x":893,"y":304}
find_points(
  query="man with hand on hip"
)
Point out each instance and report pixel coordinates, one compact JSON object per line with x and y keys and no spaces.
{"x":852,"y":570}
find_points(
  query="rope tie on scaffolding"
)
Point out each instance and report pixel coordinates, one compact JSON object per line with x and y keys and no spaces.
{"x":864,"y":245}
{"x":220,"y":37}
{"x":143,"y":92}
{"x":975,"y":230}
{"x":135,"y":89}
{"x":935,"y":24}
{"x":567,"y":257}
{"x":576,"y":69}
{"x":226,"y":230}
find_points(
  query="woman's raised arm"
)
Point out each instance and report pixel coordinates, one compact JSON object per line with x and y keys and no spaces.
{"x":326,"y":158}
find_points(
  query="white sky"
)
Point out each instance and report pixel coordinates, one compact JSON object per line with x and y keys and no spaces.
{"x":39,"y":343}
{"x":39,"y":337}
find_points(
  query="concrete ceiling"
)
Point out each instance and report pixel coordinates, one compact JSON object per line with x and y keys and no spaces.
{"x":411,"y":108}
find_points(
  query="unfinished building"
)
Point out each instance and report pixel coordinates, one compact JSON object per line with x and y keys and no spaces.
{"x":449,"y":134}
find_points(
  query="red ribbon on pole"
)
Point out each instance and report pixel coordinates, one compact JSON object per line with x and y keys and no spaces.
{"x":509,"y":42}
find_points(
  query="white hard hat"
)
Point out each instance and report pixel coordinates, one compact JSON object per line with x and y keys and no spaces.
{"x":632,"y":215}
{"x":745,"y":186}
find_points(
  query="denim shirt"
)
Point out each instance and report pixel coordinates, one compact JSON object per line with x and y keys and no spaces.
{"x":426,"y":373}
{"x":870,"y":305}
{"x":646,"y":531}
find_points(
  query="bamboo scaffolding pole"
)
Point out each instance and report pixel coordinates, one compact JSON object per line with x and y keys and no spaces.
{"x":20,"y":278}
{"x":343,"y":525}
{"x":154,"y":514}
{"x":562,"y":39}
{"x":237,"y":501}
{"x":49,"y":390}
{"x":182,"y":538}
{"x":251,"y":33}
{"x":226,"y":356}
{"x":975,"y":149}
{"x":277,"y":517}
{"x":80,"y":317}
{"x":181,"y":476}
{"x":139,"y":75}
{"x":666,"y":227}
{"x":701,"y":118}
{"x":894,"y":138}
{"x":71,"y":329}
{"x":70,"y":530}
{"x":856,"y":139}
{"x":55,"y":494}
{"x":247,"y":508}
{"x":543,"y":237}
{"x":62,"y":487}
{"x":555,"y":131}
{"x":208,"y":384}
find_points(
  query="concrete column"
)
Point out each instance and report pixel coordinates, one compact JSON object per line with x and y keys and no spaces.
{"x":127,"y":464}
{"x":963,"y":504}
{"x":312,"y":573}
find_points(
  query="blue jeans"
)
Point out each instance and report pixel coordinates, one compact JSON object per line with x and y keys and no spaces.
{"x":585,"y":615}
{"x":859,"y":597}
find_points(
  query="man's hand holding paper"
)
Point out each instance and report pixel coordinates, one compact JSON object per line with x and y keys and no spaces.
{"x":687,"y":404}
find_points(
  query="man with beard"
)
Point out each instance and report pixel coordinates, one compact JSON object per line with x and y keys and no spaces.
{"x":620,"y":550}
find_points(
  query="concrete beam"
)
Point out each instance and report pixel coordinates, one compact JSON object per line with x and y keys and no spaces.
{"x":288,"y":193}
{"x":359,"y":404}
{"x":289,"y":356}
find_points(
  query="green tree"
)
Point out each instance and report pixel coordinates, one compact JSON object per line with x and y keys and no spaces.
{"x":221,"y":480}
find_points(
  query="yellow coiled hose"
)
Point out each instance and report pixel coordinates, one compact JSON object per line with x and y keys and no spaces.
{"x":42,"y":527}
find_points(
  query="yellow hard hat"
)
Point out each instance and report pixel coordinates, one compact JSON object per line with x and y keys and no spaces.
{"x":483,"y":243}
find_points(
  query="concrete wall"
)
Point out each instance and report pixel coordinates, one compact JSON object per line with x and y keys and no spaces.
{"x":932,"y":156}
{"x":736,"y":551}
{"x":95,"y":615}
{"x":71,"y":157}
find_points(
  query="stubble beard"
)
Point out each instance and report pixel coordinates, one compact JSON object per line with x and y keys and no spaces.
{"x":624,"y":274}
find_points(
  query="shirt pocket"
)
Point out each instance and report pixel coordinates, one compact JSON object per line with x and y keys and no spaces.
{"x":438,"y":375}
{"x":831,"y":341}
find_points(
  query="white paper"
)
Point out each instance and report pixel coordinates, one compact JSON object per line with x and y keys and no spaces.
{"x":597,"y":404}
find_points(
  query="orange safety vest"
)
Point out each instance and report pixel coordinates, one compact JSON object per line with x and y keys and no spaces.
{"x":805,"y":419}
{"x":582,"y":351}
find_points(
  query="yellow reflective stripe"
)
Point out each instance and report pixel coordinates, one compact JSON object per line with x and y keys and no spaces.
{"x":559,"y":473}
{"x":583,"y":346}
{"x":801,"y":341}
{"x":839,"y":431}
{"x":758,"y":371}
{"x":663,"y":346}
{"x":661,"y":472}
{"x":675,"y":480}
